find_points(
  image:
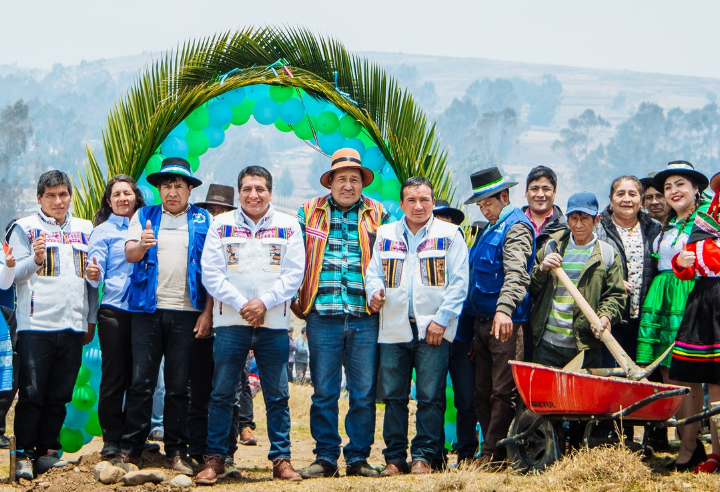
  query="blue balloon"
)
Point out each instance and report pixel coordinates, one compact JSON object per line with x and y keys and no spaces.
{"x":357,"y":144}
{"x":314,"y":106}
{"x":180,"y":130}
{"x":257,"y":92}
{"x":373,"y":159}
{"x":292,"y":111}
{"x":93,"y":359}
{"x":331,"y":142}
{"x":266,"y":111}
{"x":393,"y":208}
{"x":94,"y":383}
{"x":174,"y":146}
{"x":234,"y":97}
{"x":388,"y":172}
{"x":147,"y":193}
{"x":216,"y":135}
{"x":450,"y":434}
{"x":86,"y":437}
{"x":220,"y":114}
{"x":75,"y":418}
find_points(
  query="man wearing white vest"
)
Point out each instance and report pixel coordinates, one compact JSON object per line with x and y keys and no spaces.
{"x":418,"y":280}
{"x":55,"y":308}
{"x":252,"y":265}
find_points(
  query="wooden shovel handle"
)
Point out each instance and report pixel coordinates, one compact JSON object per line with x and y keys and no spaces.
{"x":626,"y":363}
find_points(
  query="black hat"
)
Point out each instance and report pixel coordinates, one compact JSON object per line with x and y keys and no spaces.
{"x":680,"y":168}
{"x":443,"y":208}
{"x":174,"y":166}
{"x":221,"y":195}
{"x":647,"y":181}
{"x":487,"y":183}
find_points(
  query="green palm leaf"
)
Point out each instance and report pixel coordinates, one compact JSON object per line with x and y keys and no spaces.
{"x":168,"y":90}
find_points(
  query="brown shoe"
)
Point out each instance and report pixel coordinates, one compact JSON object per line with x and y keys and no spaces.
{"x":124,"y":458}
{"x":179,"y":464}
{"x":420,"y":468}
{"x":214,"y":466}
{"x":283,"y":470}
{"x":394,"y":468}
{"x":247,"y":438}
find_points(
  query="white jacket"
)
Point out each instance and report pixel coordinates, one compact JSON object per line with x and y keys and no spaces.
{"x":242,"y":260}
{"x":439,"y":280}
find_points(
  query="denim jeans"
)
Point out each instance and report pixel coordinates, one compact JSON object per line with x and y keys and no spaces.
{"x":169,"y":333}
{"x":397,"y":361}
{"x":49,"y":365}
{"x":335,"y":341}
{"x":115,"y":334}
{"x":158,"y":405}
{"x":272,"y":348}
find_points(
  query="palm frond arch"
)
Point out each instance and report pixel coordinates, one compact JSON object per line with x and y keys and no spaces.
{"x":168,"y":90}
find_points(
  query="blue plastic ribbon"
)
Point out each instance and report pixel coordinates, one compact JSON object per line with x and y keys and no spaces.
{"x":226,"y":74}
{"x":344,"y":94}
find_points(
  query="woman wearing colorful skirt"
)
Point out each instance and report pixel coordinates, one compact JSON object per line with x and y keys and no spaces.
{"x":664,"y":305}
{"x":696,"y":354}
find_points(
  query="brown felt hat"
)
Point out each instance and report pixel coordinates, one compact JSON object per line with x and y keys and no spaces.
{"x":344,"y":159}
{"x":218,"y":194}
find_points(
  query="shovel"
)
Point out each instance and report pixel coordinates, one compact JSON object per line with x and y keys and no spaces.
{"x":632,"y":371}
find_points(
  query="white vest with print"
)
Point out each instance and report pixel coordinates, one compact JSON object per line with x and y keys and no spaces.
{"x":55,"y":298}
{"x":253,"y":264}
{"x":429,"y":280}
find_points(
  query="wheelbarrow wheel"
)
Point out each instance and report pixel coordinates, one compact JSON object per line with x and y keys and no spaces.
{"x":538,"y":450}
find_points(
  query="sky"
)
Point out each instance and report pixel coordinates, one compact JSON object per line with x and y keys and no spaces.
{"x":659,"y":36}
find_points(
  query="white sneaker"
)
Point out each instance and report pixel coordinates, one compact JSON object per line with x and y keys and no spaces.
{"x":50,"y":460}
{"x":24,"y":469}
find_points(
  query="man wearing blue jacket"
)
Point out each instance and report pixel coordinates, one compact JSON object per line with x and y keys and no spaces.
{"x":498,"y":303}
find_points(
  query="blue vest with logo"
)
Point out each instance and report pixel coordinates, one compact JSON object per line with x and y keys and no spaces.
{"x":141,"y":294}
{"x":487,"y":272}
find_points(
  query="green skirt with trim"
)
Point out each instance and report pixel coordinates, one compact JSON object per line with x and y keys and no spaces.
{"x":661,"y":316}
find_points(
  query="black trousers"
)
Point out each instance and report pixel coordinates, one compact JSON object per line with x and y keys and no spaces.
{"x":115,"y":334}
{"x":49,"y":363}
{"x":243,"y":411}
{"x":169,"y":333}
{"x":201,"y":376}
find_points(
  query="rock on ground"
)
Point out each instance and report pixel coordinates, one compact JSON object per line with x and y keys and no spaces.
{"x":99,"y":468}
{"x":181,"y":481}
{"x":128,"y":467}
{"x":143,"y":476}
{"x":111,"y":474}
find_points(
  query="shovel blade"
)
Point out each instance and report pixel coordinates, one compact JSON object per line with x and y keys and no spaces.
{"x":575,"y":365}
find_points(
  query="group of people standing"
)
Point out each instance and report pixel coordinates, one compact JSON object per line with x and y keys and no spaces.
{"x":201,"y":285}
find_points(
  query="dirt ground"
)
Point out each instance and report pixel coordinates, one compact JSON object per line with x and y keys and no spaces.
{"x":597,"y":470}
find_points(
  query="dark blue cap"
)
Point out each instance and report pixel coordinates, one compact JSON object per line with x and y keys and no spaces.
{"x":584,"y":202}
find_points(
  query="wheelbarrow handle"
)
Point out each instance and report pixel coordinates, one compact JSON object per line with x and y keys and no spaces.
{"x":626,"y":363}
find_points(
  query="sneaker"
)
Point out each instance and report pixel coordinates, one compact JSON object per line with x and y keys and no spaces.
{"x":247,"y":438}
{"x":283,"y":470}
{"x":361,"y":469}
{"x":109,"y":450}
{"x":156,"y":435}
{"x":180,"y":465}
{"x":151,"y":447}
{"x":320,"y":468}
{"x":212,"y":469}
{"x":4,"y":441}
{"x":50,"y":460}
{"x":24,"y":469}
{"x":231,"y":471}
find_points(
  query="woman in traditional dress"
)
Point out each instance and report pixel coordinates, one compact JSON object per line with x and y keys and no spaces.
{"x":696,"y":354}
{"x":664,"y":305}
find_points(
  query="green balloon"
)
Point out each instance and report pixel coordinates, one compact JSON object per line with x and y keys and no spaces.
{"x":373,"y":187}
{"x":450,"y":410}
{"x":153,"y":164}
{"x":327,"y":122}
{"x":227,"y":126}
{"x":390,"y":190}
{"x":303,"y":130}
{"x":84,"y":397}
{"x":366,"y":140}
{"x":194,"y":162}
{"x":156,"y":196}
{"x":198,"y":142}
{"x":198,"y":119}
{"x":349,"y":126}
{"x":93,"y":424}
{"x":242,"y":112}
{"x":281,"y":93}
{"x":282,"y":126}
{"x":83,"y":376}
{"x":71,"y":440}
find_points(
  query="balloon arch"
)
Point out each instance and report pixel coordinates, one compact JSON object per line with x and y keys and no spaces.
{"x":300,"y":83}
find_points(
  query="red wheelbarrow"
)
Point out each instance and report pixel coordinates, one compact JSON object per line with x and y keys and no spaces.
{"x":553,"y":398}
